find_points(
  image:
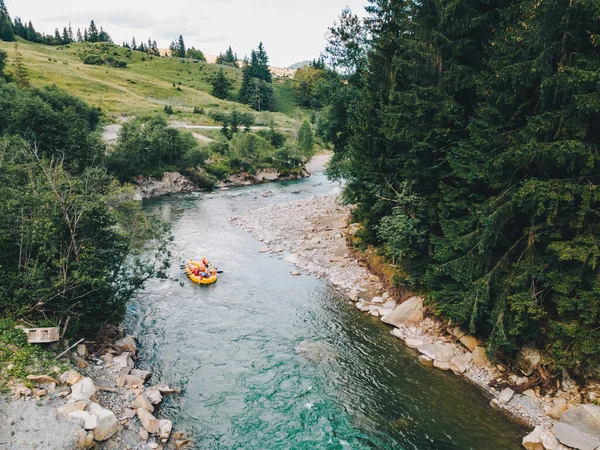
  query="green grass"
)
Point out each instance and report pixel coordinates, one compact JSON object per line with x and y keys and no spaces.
{"x":146,"y":85}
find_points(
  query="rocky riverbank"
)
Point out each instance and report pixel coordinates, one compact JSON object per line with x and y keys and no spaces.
{"x":313,"y":235}
{"x":104,"y":402}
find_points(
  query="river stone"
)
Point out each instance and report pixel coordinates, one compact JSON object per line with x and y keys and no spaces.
{"x":292,"y":258}
{"x":559,"y":406}
{"x":414,"y":342}
{"x":443,"y":355}
{"x":142,"y":401}
{"x":425,"y":360}
{"x":107,"y":422}
{"x":585,"y":418}
{"x":143,"y":434}
{"x":148,"y":421}
{"x":397,"y":333}
{"x":143,"y":374}
{"x":81,"y":436}
{"x":41,"y":379}
{"x":71,"y":377}
{"x":377,"y":300}
{"x":123,"y":361}
{"x":83,"y":390}
{"x":572,"y":437}
{"x":154,"y":395}
{"x":70,"y":407}
{"x":505,"y":396}
{"x":411,"y":311}
{"x":479,"y":357}
{"x":428,"y":350}
{"x":459,"y":364}
{"x":90,"y":421}
{"x":533,"y":441}
{"x":469,"y":342}
{"x":164,"y":429}
{"x":528,"y":360}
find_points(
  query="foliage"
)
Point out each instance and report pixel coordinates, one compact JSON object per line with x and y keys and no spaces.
{"x":58,"y":125}
{"x":148,"y":146}
{"x":227,"y":59}
{"x":71,"y":243}
{"x":7,"y":32}
{"x":3,"y":57}
{"x":306,"y":84}
{"x":221,"y":86}
{"x":177,"y":48}
{"x":469,"y":139}
{"x":234,"y":121}
{"x":97,"y":60}
{"x":256,"y":90}
{"x":248,"y":152}
{"x":194,"y":53}
{"x":306,"y":139}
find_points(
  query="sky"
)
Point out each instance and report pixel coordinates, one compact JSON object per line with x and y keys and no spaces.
{"x":291,"y":30}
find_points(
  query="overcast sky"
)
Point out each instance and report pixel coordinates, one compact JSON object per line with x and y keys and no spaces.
{"x":292,"y":30}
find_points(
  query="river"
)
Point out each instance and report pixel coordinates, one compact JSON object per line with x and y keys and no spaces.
{"x":266,"y":360}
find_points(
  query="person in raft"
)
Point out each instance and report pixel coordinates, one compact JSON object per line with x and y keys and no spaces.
{"x":202,"y":271}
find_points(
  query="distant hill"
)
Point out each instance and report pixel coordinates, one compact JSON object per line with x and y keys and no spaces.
{"x":299,"y":65}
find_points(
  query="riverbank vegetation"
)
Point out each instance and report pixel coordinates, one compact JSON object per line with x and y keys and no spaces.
{"x":73,"y":239}
{"x":469,"y":139}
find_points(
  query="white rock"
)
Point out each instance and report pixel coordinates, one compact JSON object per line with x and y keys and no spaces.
{"x":505,"y":396}
{"x":127,"y":344}
{"x":107,"y":422}
{"x":143,"y":374}
{"x":411,"y":311}
{"x":396,"y":332}
{"x":586,"y":418}
{"x":533,"y":441}
{"x":83,"y":390}
{"x":142,"y":401}
{"x":414,"y":342}
{"x":164,"y":429}
{"x":90,"y":420}
{"x":528,"y":360}
{"x":377,"y":300}
{"x":148,"y":421}
{"x":122,"y":361}
{"x":154,"y":395}
{"x":574,"y":438}
{"x":460,"y":363}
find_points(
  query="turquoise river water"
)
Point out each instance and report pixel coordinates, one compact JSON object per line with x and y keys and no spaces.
{"x":270,"y":361}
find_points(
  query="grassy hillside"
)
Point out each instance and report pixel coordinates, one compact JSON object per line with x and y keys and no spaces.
{"x":146,"y":85}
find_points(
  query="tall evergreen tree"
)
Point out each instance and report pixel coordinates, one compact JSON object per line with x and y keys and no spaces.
{"x":79,"y":35}
{"x":7,"y":32}
{"x":92,"y":32}
{"x":180,"y":47}
{"x":21,"y":74}
{"x":221,"y":85}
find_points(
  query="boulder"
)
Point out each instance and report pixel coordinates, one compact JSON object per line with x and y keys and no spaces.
{"x":90,"y":421}
{"x":107,"y":422}
{"x":586,"y":418}
{"x":468,"y":341}
{"x":164,"y":430}
{"x":130,"y":380}
{"x":70,"y":407}
{"x":396,"y":332}
{"x":122,"y":361}
{"x":142,"y":401}
{"x":459,"y":364}
{"x":479,"y":356}
{"x":71,"y":377}
{"x":143,"y":434}
{"x":154,"y":395}
{"x":559,"y":406}
{"x":572,"y":437}
{"x":143,"y":374}
{"x":89,"y":439}
{"x":83,"y":390}
{"x":414,"y":342}
{"x":505,"y":396}
{"x":377,"y":300}
{"x":528,"y":360}
{"x":533,"y":441}
{"x":411,"y":311}
{"x":41,"y":379}
{"x":78,"y":361}
{"x":82,"y":350}
{"x":427,"y":349}
{"x":443,"y":355}
{"x":165,"y":389}
{"x":81,"y":435}
{"x":148,"y":421}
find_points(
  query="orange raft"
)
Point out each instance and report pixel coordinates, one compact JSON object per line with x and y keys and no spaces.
{"x":190,"y":266}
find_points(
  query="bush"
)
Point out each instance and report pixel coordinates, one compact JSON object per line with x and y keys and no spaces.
{"x":93,"y":60}
{"x":168,"y":109}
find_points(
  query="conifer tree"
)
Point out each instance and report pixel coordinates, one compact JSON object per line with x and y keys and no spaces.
{"x":221,"y":85}
{"x":21,"y":75}
{"x":92,"y":32}
{"x":6,"y":26}
{"x":65,"y":36}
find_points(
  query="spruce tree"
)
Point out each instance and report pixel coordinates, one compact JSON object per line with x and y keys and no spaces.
{"x":7,"y":32}
{"x":21,"y":75}
{"x":79,"y":35}
{"x":221,"y":85}
{"x":306,"y":140}
{"x":92,"y":33}
{"x":180,"y":47}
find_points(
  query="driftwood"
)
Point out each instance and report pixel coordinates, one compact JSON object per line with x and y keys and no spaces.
{"x":72,"y":346}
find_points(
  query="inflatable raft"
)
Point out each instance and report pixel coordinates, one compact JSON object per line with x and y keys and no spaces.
{"x":190,"y":266}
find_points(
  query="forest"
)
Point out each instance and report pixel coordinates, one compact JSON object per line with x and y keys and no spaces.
{"x":469,"y":136}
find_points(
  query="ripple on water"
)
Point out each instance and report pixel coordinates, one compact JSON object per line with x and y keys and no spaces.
{"x":270,"y":361}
